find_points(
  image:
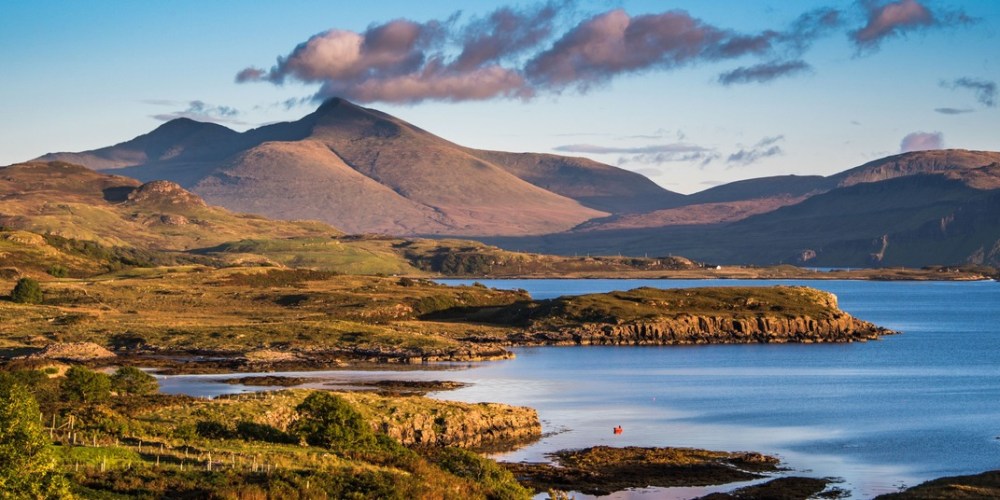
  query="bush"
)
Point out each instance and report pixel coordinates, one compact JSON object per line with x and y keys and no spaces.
{"x":131,"y":380}
{"x":213,"y":430}
{"x":27,"y":291}
{"x":86,"y":385}
{"x":58,"y":271}
{"x":44,"y":389}
{"x":252,"y":431}
{"x":331,"y":422}
{"x":499,"y":482}
{"x":26,"y":460}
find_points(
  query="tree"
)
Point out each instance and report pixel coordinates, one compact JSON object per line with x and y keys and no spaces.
{"x":131,"y":380}
{"x":331,"y":422}
{"x":26,"y":461}
{"x":86,"y":385}
{"x":27,"y":291}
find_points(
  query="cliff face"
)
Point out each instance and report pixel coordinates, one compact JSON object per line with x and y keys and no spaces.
{"x":429,"y":422}
{"x":685,"y":330}
{"x":723,"y":315}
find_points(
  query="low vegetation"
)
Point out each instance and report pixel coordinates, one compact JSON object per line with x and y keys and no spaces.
{"x":602,"y":470}
{"x":299,"y":444}
{"x":985,"y":485}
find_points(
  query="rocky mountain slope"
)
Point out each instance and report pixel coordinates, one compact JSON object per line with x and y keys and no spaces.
{"x":365,"y":171}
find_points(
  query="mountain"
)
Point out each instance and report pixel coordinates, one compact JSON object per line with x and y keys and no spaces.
{"x":365,"y":171}
{"x":914,"y":209}
{"x":742,"y":199}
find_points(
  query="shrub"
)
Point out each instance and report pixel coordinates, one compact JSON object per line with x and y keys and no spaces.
{"x":499,"y":482}
{"x":58,"y":271}
{"x":213,"y":430}
{"x":27,"y":291}
{"x":86,"y":385}
{"x":131,"y":380}
{"x":331,"y":422}
{"x":26,"y":461}
{"x":252,"y":431}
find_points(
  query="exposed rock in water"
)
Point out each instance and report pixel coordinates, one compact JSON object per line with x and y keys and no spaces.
{"x":785,"y":488}
{"x":984,"y":485}
{"x":602,"y":470}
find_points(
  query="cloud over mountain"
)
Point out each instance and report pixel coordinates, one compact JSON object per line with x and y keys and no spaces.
{"x":765,"y":148}
{"x":197,"y":110}
{"x":921,"y":141}
{"x":653,"y":154}
{"x":521,"y":52}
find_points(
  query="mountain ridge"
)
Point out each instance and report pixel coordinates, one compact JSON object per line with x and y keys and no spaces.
{"x":445,"y":188}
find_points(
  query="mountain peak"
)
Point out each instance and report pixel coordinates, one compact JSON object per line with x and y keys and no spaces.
{"x":340,"y":106}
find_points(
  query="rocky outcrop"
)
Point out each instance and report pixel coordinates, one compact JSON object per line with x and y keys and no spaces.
{"x":684,"y":330}
{"x":157,"y":193}
{"x":417,"y":421}
{"x":73,"y":351}
{"x":723,"y":315}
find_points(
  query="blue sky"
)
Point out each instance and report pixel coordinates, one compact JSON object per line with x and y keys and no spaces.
{"x":693,"y":94}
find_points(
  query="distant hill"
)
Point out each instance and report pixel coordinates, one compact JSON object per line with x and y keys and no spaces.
{"x":72,"y":201}
{"x":365,"y":171}
{"x":741,"y":199}
{"x":915,"y":209}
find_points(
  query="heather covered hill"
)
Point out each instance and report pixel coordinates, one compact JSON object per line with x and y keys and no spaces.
{"x":74,"y":202}
{"x":58,"y":219}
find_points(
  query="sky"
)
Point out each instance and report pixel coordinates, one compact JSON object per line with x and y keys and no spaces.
{"x":690,"y":93}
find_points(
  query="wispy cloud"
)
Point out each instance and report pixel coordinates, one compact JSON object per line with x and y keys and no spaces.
{"x":954,"y":111}
{"x":652,"y":154}
{"x":897,"y":18}
{"x":763,"y":72}
{"x":985,"y":90}
{"x":197,"y":110}
{"x":921,"y":141}
{"x":651,"y":149}
{"x":649,"y":172}
{"x":765,"y":148}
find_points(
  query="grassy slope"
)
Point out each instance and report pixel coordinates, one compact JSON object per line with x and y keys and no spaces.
{"x":176,"y":446}
{"x":240,"y":309}
{"x":645,"y":304}
{"x":74,"y":202}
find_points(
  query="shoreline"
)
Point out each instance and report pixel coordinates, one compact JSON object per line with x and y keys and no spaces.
{"x":906,"y":275}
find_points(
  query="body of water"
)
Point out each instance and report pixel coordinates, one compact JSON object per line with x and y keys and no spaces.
{"x":880,"y":414}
